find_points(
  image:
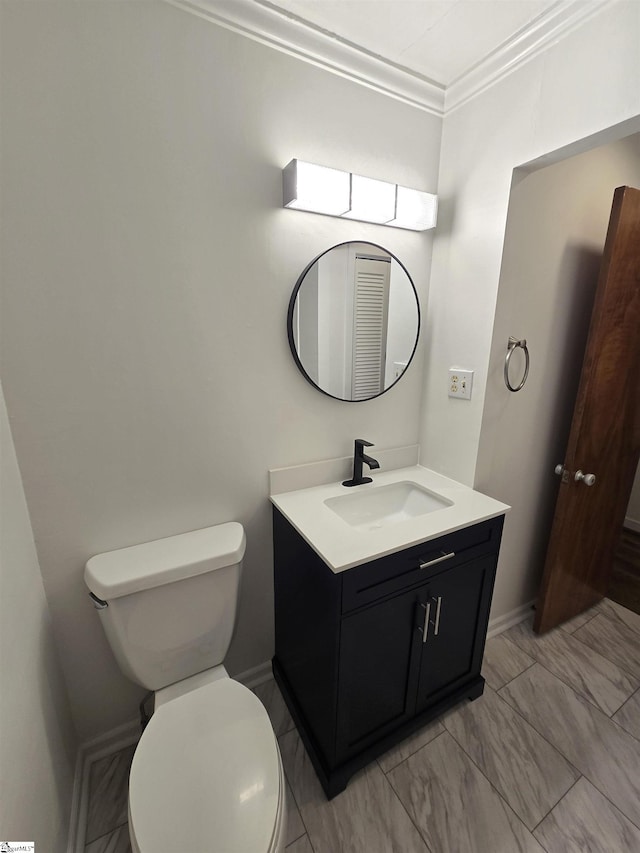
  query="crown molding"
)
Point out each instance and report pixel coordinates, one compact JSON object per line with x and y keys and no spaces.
{"x":269,"y":26}
{"x":545,"y":30}
{"x":260,"y":21}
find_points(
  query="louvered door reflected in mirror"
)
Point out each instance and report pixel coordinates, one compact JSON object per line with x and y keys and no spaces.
{"x":353,"y":321}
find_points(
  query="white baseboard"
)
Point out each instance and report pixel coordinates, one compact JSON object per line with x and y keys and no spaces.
{"x":90,"y":751}
{"x":508,"y":620}
{"x":77,"y":820}
{"x":256,"y":675}
{"x":632,"y":524}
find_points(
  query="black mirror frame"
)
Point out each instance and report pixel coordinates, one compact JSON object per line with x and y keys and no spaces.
{"x":291,"y":308}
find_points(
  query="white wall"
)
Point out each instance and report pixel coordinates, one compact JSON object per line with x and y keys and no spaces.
{"x":307,"y":316}
{"x":579,"y":88}
{"x":147,"y":271}
{"x":585,"y":83}
{"x":335,"y":301}
{"x":555,"y":235}
{"x":402,"y":322}
{"x":37,"y":741}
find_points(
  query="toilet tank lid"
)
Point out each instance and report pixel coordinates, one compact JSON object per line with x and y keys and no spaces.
{"x":163,"y":561}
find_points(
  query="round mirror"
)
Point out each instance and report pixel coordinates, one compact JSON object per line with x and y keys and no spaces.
{"x":353,"y":321}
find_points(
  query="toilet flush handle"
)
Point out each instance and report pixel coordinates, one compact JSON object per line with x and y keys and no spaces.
{"x":98,"y":603}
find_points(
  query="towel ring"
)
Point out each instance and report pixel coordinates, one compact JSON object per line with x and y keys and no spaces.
{"x":511,"y":346}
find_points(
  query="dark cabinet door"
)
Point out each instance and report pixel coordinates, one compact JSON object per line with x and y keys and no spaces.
{"x":379,"y":662}
{"x":458,"y":600}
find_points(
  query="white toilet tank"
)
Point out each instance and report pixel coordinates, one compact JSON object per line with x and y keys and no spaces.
{"x":170,"y":604}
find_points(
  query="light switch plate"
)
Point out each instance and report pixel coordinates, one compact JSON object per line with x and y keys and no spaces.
{"x":460,"y":383}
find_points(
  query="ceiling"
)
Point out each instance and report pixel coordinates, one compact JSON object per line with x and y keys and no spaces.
{"x":432,"y":54}
{"x":441,"y":40}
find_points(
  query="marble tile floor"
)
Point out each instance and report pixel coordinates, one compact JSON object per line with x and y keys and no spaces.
{"x":546,"y":761}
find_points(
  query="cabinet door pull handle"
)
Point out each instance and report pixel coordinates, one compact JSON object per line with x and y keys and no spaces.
{"x":438,"y":560}
{"x":425,"y":628}
{"x":436,"y":626}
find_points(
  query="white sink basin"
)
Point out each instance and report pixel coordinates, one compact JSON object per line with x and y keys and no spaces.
{"x":376,"y":507}
{"x":399,"y":509}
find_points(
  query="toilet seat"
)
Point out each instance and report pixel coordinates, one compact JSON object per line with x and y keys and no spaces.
{"x":207,"y":777}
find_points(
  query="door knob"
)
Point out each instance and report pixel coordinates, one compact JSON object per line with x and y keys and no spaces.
{"x":587,"y":479}
{"x":561,"y":471}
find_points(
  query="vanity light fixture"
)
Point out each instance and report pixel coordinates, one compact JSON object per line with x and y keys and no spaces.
{"x":319,"y":189}
{"x":371,"y":200}
{"x":414,"y":209}
{"x":316,"y":188}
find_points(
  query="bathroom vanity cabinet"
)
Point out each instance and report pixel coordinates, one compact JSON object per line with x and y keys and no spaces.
{"x":366,"y":656}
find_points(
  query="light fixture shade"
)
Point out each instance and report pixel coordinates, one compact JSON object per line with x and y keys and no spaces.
{"x":415,"y":210}
{"x":318,"y":189}
{"x":371,"y":200}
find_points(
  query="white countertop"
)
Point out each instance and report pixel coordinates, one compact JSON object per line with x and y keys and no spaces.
{"x":342,"y":546}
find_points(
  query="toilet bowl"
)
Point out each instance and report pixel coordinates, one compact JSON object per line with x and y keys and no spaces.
{"x":206,"y":775}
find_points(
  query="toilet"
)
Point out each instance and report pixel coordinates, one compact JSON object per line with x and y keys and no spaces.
{"x":206,"y":776}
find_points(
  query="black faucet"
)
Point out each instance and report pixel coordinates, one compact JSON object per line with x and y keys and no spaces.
{"x":359,"y":457}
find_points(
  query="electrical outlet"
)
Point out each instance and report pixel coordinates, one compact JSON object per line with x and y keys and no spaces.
{"x":460,"y":383}
{"x":399,"y":368}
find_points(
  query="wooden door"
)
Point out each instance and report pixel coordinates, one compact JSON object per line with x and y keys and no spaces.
{"x":605,"y":431}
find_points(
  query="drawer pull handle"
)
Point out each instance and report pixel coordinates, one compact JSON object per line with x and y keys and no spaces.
{"x":436,"y":626}
{"x":438,"y":560}
{"x":425,"y":628}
